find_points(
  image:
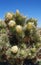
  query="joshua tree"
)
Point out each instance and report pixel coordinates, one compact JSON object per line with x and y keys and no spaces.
{"x":19,"y":39}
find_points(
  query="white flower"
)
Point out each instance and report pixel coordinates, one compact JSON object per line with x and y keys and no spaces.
{"x":19,"y":29}
{"x":9,"y":15}
{"x":14,"y":49}
{"x":12,"y":23}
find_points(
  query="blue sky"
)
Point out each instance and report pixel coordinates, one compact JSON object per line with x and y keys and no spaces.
{"x":30,"y":8}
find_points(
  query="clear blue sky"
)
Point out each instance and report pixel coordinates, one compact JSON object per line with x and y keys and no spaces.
{"x":30,"y":8}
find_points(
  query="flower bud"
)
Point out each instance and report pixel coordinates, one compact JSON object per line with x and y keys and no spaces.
{"x":19,"y":29}
{"x":33,"y":49}
{"x":29,"y":26}
{"x":12,"y":23}
{"x":14,"y":49}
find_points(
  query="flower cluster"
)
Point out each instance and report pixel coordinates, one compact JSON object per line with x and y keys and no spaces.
{"x":19,"y":38}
